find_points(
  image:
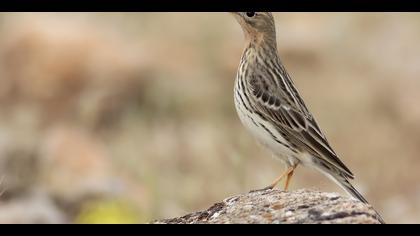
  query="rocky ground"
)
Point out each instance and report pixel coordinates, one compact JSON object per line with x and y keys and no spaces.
{"x":278,"y":207}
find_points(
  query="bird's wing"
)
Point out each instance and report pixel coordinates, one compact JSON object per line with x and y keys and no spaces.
{"x":284,"y":107}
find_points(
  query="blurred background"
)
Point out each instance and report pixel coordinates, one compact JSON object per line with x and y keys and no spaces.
{"x":126,"y":118}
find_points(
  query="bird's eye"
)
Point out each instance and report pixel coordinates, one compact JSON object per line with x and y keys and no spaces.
{"x":250,"y":14}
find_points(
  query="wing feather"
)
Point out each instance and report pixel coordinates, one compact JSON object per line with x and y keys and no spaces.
{"x":296,"y":121}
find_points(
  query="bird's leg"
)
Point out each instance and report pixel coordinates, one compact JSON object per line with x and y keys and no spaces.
{"x":289,"y":177}
{"x":278,"y":179}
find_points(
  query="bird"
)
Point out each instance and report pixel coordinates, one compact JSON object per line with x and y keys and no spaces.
{"x":270,"y":107}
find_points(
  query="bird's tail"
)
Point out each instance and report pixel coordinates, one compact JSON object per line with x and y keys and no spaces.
{"x":344,"y":183}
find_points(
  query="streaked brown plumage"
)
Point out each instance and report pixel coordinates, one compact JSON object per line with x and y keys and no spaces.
{"x":271,"y":108}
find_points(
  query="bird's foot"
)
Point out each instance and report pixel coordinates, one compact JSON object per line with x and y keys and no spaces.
{"x":262,"y":189}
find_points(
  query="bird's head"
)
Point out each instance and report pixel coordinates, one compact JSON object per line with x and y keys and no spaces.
{"x":257,"y":26}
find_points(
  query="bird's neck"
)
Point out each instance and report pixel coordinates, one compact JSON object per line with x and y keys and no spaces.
{"x":261,"y":40}
{"x":259,"y":49}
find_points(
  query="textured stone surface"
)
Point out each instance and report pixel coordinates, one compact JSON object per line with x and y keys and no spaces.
{"x":277,"y":207}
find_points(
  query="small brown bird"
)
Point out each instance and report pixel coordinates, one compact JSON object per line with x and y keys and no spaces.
{"x":270,"y":107}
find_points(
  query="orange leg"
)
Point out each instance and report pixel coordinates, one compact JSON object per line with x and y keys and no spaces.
{"x":288,"y":173}
{"x":289,"y":177}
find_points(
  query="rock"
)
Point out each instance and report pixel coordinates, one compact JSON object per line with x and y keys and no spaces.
{"x":280,"y":207}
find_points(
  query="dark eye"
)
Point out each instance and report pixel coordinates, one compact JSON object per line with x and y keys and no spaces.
{"x":250,"y":14}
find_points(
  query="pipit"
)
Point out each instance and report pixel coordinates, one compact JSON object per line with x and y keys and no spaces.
{"x":270,"y":107}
